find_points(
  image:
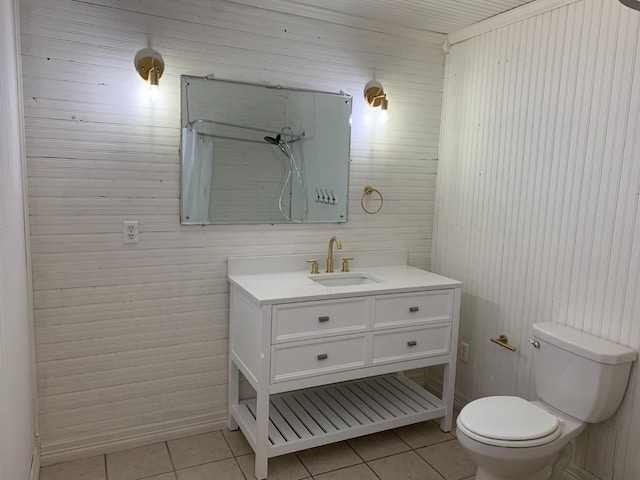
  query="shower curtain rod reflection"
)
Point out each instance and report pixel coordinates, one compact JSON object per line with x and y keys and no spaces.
{"x":238,"y":139}
{"x":293,"y":137}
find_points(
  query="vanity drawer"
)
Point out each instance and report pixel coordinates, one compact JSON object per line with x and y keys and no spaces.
{"x":406,"y":309}
{"x":411,"y":343}
{"x":317,"y":357}
{"x":297,"y":321}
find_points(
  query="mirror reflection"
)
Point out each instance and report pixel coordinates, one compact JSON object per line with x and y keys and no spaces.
{"x":257,"y":154}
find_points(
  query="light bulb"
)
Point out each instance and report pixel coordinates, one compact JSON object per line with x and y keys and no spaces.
{"x":383,"y":116}
{"x":154,"y":93}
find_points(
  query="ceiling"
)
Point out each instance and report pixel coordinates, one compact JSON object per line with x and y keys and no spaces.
{"x":442,"y":16}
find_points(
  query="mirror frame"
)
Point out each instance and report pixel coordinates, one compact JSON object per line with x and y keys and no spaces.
{"x":186,"y":122}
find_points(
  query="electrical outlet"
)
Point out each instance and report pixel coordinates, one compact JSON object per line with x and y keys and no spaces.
{"x":463,"y":352}
{"x":130,"y":231}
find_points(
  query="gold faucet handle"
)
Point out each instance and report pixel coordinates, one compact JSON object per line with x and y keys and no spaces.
{"x":314,"y":265}
{"x":345,"y":263}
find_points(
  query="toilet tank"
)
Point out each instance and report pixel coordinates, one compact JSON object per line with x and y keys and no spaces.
{"x":579,"y":374}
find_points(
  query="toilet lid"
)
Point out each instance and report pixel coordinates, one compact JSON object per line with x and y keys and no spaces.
{"x":507,"y":418}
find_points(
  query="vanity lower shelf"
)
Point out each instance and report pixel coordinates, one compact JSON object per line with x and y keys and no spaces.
{"x":316,"y":416}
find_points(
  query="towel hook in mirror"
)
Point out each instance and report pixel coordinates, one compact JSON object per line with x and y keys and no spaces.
{"x":368,"y":190}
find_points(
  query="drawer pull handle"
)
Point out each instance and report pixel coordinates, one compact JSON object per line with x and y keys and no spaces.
{"x":414,"y":309}
{"x":412,"y":343}
{"x":323,"y":318}
{"x":323,"y":356}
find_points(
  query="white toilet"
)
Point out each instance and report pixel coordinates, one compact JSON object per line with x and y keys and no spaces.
{"x":579,"y":378}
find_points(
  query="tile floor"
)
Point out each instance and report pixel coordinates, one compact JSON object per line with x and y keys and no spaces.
{"x":416,"y":452}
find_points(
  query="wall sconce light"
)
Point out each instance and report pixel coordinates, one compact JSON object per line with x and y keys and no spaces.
{"x":150,"y":65}
{"x":375,"y":96}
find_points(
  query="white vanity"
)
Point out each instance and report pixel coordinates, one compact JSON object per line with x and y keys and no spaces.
{"x":324,"y":360}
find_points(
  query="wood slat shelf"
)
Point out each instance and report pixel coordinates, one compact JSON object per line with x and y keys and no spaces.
{"x":316,"y":416}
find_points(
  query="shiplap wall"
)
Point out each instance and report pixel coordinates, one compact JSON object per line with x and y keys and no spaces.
{"x":17,"y":431}
{"x":132,"y":339}
{"x":539,"y":181}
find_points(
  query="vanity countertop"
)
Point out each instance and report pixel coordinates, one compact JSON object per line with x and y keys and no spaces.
{"x":298,"y":286}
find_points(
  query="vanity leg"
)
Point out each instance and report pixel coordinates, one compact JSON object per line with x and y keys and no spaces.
{"x":448,"y":385}
{"x":262,"y":435}
{"x":234,"y":393}
{"x":449,"y":376}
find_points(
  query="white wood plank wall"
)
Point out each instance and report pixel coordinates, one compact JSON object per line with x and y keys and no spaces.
{"x":17,"y":426}
{"x":132,"y":339}
{"x":538,"y":200}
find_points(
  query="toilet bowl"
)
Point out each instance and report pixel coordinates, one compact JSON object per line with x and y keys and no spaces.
{"x":511,"y":438}
{"x":579,"y":378}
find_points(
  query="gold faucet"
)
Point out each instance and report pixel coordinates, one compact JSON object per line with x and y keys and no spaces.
{"x":330,"y":255}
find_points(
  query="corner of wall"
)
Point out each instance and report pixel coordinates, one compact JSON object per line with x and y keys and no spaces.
{"x":514,"y":15}
{"x":433,"y":383}
{"x":27,"y":237}
{"x":446,"y":46}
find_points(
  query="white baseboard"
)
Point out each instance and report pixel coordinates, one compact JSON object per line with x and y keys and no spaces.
{"x":568,"y":475}
{"x":575,"y":473}
{"x":57,"y":452}
{"x":34,"y":473}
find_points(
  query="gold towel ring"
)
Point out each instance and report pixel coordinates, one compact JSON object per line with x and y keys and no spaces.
{"x":368,"y":190}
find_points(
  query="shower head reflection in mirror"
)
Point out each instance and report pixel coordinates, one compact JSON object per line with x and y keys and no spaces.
{"x":287,"y":187}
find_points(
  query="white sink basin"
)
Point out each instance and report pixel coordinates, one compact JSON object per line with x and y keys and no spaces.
{"x":344,"y":279}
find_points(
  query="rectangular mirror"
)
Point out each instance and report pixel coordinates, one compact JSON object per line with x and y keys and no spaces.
{"x":257,"y":154}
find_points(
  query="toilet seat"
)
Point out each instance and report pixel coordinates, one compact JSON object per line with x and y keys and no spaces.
{"x":508,"y":422}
